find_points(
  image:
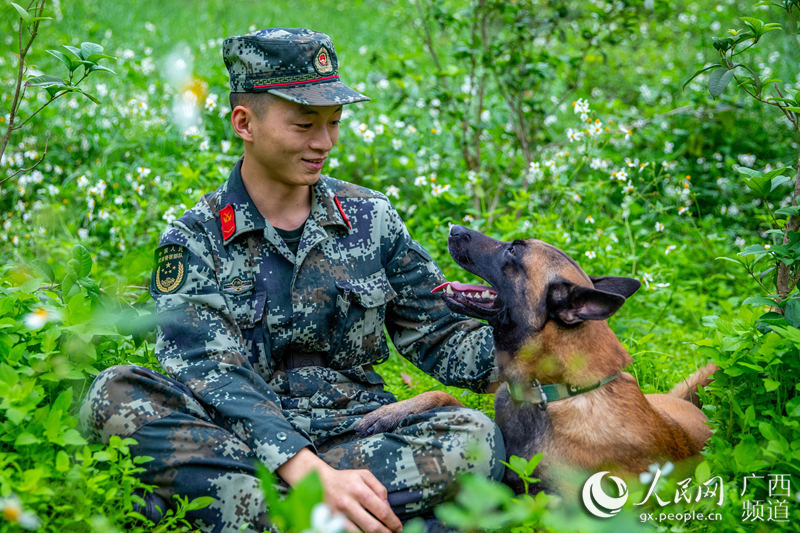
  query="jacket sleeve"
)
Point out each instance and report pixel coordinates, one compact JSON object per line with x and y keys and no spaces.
{"x":200,"y":345}
{"x":455,"y":349}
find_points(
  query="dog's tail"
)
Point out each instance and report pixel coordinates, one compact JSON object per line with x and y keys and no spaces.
{"x":687,"y":388}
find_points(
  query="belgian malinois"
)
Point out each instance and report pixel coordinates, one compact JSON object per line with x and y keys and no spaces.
{"x":566,"y":394}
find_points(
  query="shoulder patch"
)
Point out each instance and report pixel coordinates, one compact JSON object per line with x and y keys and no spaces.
{"x":170,"y":270}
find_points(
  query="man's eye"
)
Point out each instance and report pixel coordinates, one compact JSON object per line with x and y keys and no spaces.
{"x":304,"y":126}
{"x":335,"y":122}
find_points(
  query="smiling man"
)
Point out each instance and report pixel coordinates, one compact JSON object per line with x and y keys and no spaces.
{"x":273,"y":293}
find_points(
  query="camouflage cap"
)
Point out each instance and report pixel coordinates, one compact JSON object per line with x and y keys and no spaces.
{"x":294,"y":63}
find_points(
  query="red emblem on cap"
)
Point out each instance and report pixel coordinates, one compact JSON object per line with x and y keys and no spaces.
{"x":228,"y":220}
{"x":323,"y":59}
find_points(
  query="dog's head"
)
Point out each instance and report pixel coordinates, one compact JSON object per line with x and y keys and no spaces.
{"x":531,"y":283}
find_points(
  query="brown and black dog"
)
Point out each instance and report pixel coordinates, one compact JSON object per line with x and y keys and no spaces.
{"x":552,"y":340}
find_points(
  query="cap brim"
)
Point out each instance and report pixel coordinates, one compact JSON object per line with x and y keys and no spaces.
{"x":320,"y":94}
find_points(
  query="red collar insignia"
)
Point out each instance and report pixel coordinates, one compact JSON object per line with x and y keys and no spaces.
{"x":228,"y":220}
{"x":341,"y":211}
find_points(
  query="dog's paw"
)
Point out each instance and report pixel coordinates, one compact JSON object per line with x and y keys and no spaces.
{"x":381,"y":420}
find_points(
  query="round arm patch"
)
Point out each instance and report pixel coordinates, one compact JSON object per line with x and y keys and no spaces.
{"x":170,"y":271}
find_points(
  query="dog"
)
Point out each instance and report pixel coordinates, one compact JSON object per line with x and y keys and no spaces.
{"x":565,"y":392}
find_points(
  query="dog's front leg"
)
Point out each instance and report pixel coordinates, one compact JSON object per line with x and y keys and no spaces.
{"x":388,"y":417}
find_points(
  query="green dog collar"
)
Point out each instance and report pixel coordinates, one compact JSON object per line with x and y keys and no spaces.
{"x":540,"y":395}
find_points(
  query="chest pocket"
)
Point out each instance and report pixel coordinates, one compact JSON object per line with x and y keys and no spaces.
{"x":361,"y":313}
{"x":246,"y":299}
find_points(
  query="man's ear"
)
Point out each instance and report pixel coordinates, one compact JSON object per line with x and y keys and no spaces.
{"x":617,"y":285}
{"x":241,"y":120}
{"x":572,"y":304}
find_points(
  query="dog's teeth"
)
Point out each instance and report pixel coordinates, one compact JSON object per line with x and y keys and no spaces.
{"x":486,"y":294}
{"x":448,"y":290}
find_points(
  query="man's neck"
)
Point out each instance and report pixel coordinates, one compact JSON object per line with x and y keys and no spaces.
{"x":284,"y":206}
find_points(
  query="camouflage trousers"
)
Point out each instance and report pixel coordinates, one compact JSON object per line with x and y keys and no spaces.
{"x":192,"y":456}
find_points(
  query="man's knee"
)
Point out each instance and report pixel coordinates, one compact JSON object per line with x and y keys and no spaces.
{"x":483,"y":446}
{"x":124,"y":398}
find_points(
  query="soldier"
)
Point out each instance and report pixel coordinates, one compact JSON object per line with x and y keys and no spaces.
{"x":273,"y":293}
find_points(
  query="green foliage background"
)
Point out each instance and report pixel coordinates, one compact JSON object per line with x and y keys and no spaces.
{"x":478,"y":135}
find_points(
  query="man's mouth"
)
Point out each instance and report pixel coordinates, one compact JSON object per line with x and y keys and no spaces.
{"x":480,"y":296}
{"x":315,"y":163}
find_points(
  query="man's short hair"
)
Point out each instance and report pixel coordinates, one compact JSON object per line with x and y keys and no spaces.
{"x":258,"y":103}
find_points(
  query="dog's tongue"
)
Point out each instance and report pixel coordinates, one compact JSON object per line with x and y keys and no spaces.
{"x":463,"y":287}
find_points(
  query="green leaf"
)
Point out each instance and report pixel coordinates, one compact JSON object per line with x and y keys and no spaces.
{"x":73,"y":438}
{"x":793,"y":109}
{"x":792,"y":312}
{"x":780,"y":180}
{"x":693,"y":76}
{"x":61,"y":56}
{"x":23,"y":13}
{"x":90,"y":97}
{"x":199,"y":503}
{"x":84,"y":259}
{"x":25,"y":439}
{"x":62,"y":461}
{"x":44,"y":269}
{"x":791,"y":210}
{"x":702,"y":472}
{"x":45,"y":81}
{"x":771,"y":385}
{"x":63,"y":401}
{"x":756,"y":25}
{"x":89,"y":49}
{"x":67,"y":284}
{"x":100,"y":67}
{"x":760,"y":300}
{"x":718,"y":80}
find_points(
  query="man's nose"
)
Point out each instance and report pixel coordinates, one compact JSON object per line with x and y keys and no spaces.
{"x":322,"y":140}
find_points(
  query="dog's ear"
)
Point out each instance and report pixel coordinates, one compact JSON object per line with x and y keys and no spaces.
{"x":572,"y":304}
{"x":617,"y":285}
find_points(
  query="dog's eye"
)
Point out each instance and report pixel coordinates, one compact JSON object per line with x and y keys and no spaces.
{"x":512,"y":250}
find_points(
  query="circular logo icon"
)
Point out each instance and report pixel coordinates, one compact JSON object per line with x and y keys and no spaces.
{"x":597,"y":502}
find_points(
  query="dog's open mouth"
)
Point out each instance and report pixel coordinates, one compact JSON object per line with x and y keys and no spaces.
{"x":479,"y":301}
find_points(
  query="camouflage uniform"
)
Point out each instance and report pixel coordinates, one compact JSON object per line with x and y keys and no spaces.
{"x":270,"y":352}
{"x":238,"y":329}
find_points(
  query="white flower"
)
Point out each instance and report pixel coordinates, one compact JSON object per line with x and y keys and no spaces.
{"x":397,"y":144}
{"x":659,"y":226}
{"x":550,"y":164}
{"x":83,"y":233}
{"x":211,"y":101}
{"x":324,"y":521}
{"x":393,"y":191}
{"x":580,"y":106}
{"x":143,"y":172}
{"x":669,"y":248}
{"x":626,"y":131}
{"x":383,"y":84}
{"x":420,"y":181}
{"x":439,"y":189}
{"x":333,"y":162}
{"x":39,"y":318}
{"x":550,"y":120}
{"x":83,"y":182}
{"x":683,"y":209}
{"x":590,"y":254}
{"x":746,"y":160}
{"x":589,"y":220}
{"x":204,"y":145}
{"x":485,"y":115}
{"x":629,"y":188}
{"x":534,"y":168}
{"x":11,"y":509}
{"x":468,"y":218}
{"x":369,"y":136}
{"x":574,"y":135}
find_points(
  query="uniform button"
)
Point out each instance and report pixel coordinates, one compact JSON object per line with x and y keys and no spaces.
{"x":281,"y":435}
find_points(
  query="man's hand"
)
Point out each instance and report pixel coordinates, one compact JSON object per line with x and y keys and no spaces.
{"x":357,"y":494}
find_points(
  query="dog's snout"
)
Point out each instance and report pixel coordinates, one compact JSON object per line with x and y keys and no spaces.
{"x":459,"y":232}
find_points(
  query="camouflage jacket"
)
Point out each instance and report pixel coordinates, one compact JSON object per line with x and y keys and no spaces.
{"x":235,"y":303}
